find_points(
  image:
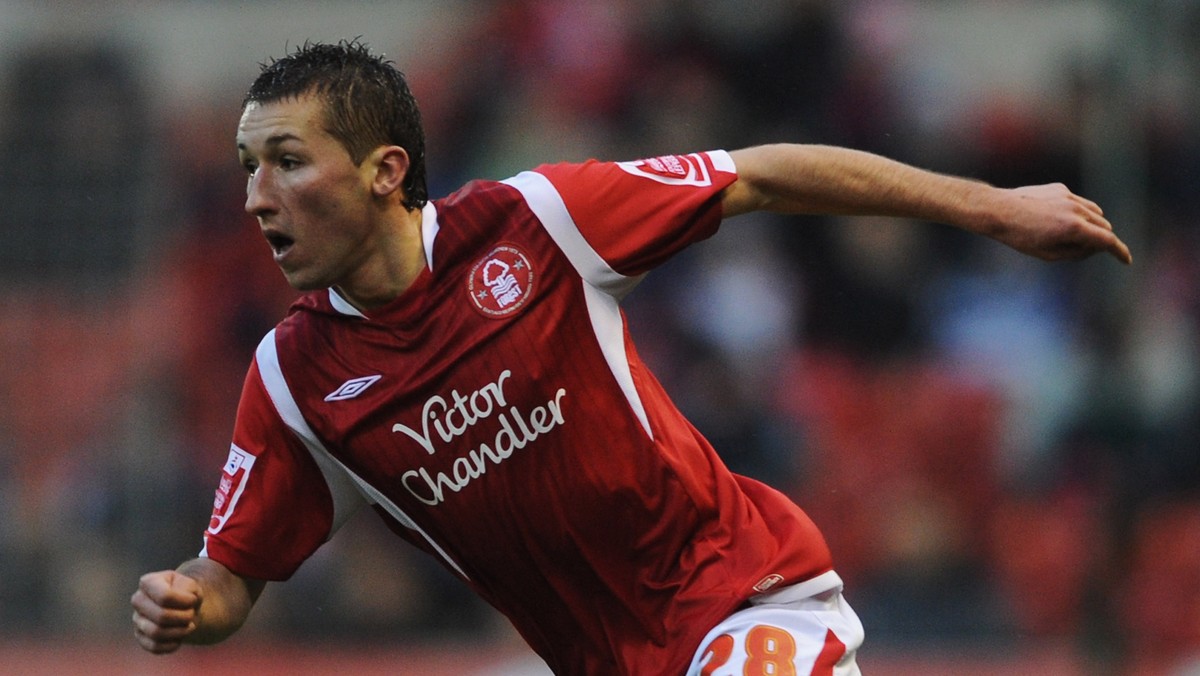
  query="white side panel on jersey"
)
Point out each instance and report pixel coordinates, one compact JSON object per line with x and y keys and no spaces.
{"x":603,"y":287}
{"x":347,"y":488}
{"x":610,"y":331}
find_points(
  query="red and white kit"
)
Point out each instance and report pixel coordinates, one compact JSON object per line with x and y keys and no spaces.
{"x":499,"y":418}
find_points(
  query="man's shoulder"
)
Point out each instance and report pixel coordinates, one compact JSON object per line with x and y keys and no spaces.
{"x":473,"y":218}
{"x":478,"y":195}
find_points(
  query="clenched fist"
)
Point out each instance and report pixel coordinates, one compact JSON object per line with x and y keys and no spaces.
{"x":165,"y":610}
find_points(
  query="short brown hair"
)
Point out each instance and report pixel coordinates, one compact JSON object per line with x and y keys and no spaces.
{"x":367,"y":100}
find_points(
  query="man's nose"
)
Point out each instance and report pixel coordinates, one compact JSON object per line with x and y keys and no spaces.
{"x":259,"y":195}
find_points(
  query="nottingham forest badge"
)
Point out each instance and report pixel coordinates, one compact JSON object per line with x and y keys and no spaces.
{"x":501,"y":281}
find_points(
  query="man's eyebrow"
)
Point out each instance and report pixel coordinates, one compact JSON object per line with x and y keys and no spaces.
{"x":273,"y":140}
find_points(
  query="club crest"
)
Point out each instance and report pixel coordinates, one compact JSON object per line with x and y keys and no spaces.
{"x":501,"y":282}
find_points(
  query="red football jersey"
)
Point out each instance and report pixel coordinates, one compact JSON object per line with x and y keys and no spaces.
{"x":498,"y":416}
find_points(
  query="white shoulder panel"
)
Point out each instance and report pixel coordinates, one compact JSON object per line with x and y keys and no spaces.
{"x":548,"y":206}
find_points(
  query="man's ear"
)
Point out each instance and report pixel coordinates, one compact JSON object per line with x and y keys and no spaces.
{"x":391,"y":166}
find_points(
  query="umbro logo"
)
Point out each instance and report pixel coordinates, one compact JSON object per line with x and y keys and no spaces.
{"x":352,"y":388}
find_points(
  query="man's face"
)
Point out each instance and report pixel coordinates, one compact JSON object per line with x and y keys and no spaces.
{"x":313,"y":204}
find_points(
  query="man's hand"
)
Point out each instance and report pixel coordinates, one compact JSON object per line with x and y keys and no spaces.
{"x":165,"y":610}
{"x":1052,"y":223}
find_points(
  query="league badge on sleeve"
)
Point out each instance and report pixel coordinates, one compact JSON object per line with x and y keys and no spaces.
{"x":233,"y":481}
{"x":671,"y":169}
{"x":501,"y":281}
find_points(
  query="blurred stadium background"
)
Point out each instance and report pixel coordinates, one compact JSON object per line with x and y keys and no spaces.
{"x":1005,"y":454}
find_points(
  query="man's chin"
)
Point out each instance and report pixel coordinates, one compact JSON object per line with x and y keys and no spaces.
{"x":301,"y":282}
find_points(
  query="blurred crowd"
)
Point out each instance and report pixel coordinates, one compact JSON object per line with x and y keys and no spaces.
{"x":1000,"y":451}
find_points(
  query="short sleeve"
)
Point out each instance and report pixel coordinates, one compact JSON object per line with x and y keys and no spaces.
{"x":637,"y":214}
{"x":273,"y":507}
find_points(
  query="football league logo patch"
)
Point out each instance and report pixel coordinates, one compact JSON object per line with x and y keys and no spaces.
{"x":233,"y":482}
{"x":671,"y":170}
{"x":501,"y":282}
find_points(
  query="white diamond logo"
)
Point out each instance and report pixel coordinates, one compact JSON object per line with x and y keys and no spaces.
{"x":352,"y":388}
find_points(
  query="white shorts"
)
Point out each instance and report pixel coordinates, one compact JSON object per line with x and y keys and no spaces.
{"x":804,"y":629}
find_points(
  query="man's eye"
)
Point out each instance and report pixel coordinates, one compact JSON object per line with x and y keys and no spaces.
{"x":250,"y":167}
{"x":286,"y":163}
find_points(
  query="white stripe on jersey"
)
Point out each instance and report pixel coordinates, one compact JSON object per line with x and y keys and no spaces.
{"x":610,"y":332}
{"x":603,"y":287}
{"x":545,"y":202}
{"x":349,"y":490}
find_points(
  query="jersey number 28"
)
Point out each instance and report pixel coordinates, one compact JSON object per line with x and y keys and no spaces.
{"x":770,"y":651}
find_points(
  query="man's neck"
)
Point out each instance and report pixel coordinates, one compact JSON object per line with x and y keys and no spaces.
{"x":397,"y":264}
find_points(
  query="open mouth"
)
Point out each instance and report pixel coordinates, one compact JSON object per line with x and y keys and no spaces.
{"x":280,"y":244}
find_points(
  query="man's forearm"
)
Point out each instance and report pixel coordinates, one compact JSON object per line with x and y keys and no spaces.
{"x":225,"y":600}
{"x":1046,"y":221}
{"x":816,"y":179}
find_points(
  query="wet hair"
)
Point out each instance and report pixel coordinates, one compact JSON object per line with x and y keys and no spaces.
{"x":367,"y":102}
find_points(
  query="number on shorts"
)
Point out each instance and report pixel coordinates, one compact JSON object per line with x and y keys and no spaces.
{"x":770,"y":651}
{"x":718,"y":653}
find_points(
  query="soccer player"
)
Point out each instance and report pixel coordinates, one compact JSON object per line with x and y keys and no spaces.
{"x":462,"y":366}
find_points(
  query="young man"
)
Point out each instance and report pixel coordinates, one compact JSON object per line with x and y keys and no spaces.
{"x":462,"y":366}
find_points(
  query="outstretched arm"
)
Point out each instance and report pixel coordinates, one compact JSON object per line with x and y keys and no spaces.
{"x":1046,"y":221}
{"x":202,"y":601}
